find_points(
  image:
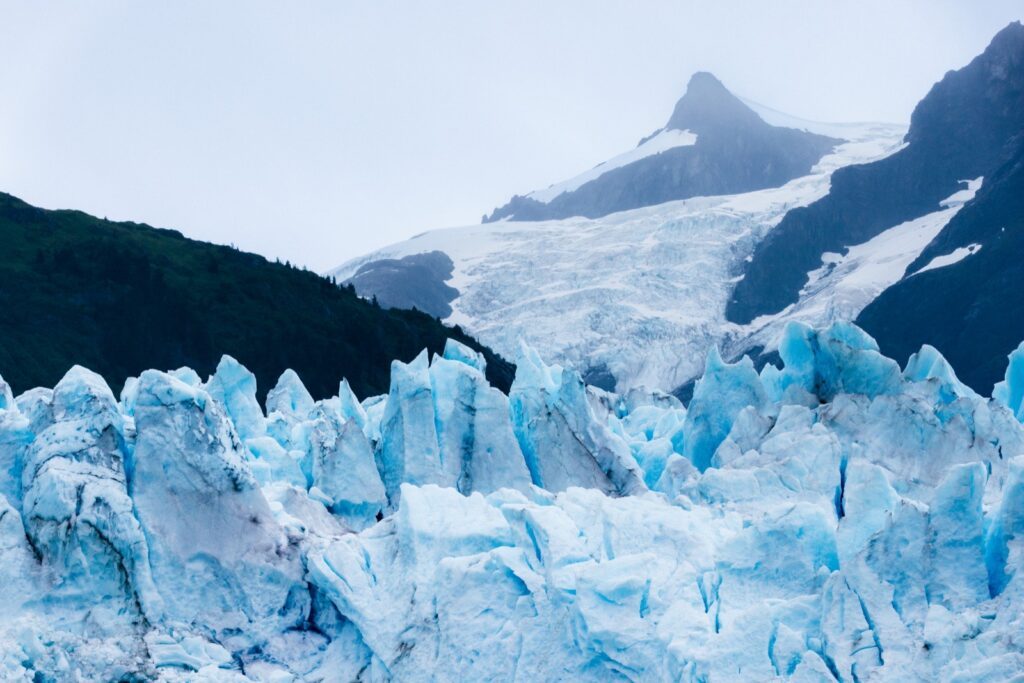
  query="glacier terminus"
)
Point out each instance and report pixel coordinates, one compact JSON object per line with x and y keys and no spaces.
{"x":832,"y":518}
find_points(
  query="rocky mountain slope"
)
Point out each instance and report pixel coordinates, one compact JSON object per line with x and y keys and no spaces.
{"x":713,"y":144}
{"x":970,"y":127}
{"x":963,"y":283}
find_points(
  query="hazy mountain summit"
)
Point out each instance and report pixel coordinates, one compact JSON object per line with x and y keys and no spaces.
{"x":713,"y":144}
{"x":707,"y":106}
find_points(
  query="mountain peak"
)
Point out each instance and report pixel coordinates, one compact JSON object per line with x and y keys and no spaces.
{"x":1003,"y":59}
{"x":983,"y":102}
{"x":713,"y":144}
{"x":704,"y":79}
{"x":1014,"y":31}
{"x":708,"y":104}
{"x":1005,"y":54}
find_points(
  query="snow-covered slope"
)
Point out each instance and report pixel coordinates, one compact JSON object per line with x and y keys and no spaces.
{"x":640,"y":294}
{"x":835,"y":519}
{"x":662,"y":141}
{"x":969,"y":127}
{"x":846,"y":283}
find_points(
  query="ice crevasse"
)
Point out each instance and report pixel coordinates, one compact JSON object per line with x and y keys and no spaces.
{"x":836,"y":518}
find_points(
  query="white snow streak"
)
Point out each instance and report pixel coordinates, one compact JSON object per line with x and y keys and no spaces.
{"x":957,"y":255}
{"x":660,"y":142}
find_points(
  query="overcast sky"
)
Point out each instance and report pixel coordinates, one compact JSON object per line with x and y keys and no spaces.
{"x":317,"y":131}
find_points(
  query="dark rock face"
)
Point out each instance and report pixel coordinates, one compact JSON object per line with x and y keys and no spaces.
{"x":600,"y":376}
{"x":707,"y":106}
{"x":735,"y":152}
{"x":416,"y":281}
{"x":973,"y":310}
{"x":964,"y":128}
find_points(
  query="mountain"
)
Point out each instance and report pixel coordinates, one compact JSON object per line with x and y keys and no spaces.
{"x":713,"y":144}
{"x":831,"y":519}
{"x":824,"y":512}
{"x":416,"y":281}
{"x":962,"y":294}
{"x":967,"y":127}
{"x":634,"y":298}
{"x":122,"y":297}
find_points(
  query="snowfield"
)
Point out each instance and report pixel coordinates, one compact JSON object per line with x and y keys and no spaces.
{"x":640,"y":293}
{"x":837,"y":518}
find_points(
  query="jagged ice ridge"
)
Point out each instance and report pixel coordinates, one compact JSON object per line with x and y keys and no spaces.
{"x":836,"y":518}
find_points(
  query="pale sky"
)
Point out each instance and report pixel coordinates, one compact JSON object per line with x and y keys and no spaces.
{"x":317,"y":131}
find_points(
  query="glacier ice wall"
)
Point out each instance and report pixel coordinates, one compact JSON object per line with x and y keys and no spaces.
{"x":835,"y":518}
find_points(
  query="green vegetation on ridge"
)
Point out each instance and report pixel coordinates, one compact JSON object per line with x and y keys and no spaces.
{"x":119,"y":298}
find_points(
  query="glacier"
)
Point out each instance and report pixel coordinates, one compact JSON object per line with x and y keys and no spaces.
{"x":641,"y":294}
{"x":836,"y":517}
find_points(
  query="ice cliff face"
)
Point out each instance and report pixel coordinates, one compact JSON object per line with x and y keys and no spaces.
{"x":834,"y":518}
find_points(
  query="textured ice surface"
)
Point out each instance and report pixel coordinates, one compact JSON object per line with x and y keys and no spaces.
{"x":834,"y":518}
{"x":563,"y":442}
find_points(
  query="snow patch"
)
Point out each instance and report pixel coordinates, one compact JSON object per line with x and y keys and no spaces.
{"x":955,"y":256}
{"x":847,"y":131}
